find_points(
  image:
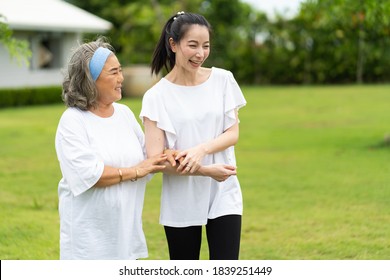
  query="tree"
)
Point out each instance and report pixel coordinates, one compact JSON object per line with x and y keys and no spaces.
{"x":329,"y":41}
{"x":18,"y":49}
{"x":350,"y":37}
{"x":136,"y":24}
{"x":137,"y":27}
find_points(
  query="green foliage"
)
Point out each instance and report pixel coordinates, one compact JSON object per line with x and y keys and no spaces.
{"x":329,"y":41}
{"x":30,"y":96}
{"x":138,"y":24}
{"x":312,"y":165}
{"x":336,"y":42}
{"x":18,"y":49}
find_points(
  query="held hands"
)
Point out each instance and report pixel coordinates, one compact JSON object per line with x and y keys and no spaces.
{"x":219,"y":172}
{"x":151,"y":165}
{"x":190,"y":160}
{"x":175,"y":158}
{"x":171,"y":155}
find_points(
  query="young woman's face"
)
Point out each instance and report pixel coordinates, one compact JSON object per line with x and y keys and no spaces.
{"x":109,"y":83}
{"x":193,"y":48}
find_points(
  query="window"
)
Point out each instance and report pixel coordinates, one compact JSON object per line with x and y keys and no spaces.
{"x":46,"y":51}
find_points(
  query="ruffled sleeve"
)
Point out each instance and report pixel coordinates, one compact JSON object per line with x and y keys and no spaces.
{"x":233,"y":100}
{"x":153,"y":108}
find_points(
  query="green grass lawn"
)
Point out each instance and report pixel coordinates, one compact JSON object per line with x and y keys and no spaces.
{"x":313,"y":163}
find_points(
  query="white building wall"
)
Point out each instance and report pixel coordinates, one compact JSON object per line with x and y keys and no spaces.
{"x":19,"y":75}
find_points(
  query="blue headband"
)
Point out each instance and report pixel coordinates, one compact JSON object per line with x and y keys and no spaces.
{"x":97,"y":62}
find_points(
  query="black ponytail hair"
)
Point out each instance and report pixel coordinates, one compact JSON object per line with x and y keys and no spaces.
{"x":175,"y":28}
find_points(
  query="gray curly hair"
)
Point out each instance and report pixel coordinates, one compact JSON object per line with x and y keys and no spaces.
{"x":78,"y":88}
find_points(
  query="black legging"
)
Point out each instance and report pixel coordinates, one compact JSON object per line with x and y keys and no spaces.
{"x":223,"y":237}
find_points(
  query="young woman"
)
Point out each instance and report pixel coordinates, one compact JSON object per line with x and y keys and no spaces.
{"x":194,"y":110}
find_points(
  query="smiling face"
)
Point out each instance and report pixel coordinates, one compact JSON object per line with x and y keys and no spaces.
{"x":193,"y":48}
{"x":109,"y":82}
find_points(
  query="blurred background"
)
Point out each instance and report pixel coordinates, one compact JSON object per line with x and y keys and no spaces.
{"x":314,"y":145}
{"x":261,"y":42}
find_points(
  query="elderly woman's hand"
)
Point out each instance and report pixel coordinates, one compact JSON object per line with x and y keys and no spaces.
{"x":151,"y":165}
{"x":171,"y":156}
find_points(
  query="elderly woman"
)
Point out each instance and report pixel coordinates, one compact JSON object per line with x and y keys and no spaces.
{"x":100,"y":148}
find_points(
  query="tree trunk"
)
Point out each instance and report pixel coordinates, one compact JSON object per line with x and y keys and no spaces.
{"x":360,"y":58}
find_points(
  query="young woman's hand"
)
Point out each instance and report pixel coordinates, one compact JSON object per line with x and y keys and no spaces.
{"x":219,"y":172}
{"x":190,"y":159}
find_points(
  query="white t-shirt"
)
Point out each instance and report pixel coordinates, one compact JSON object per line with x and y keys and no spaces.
{"x":191,"y":115}
{"x":99,"y":222}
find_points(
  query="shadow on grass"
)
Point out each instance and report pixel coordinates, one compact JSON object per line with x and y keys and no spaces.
{"x":384,"y":144}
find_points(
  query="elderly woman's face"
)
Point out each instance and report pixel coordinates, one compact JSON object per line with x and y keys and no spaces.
{"x":109,"y":83}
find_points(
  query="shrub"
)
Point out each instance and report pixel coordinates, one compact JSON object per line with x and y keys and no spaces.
{"x":30,"y":96}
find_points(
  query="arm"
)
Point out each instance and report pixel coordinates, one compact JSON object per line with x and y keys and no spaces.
{"x":219,"y":172}
{"x":155,"y":143}
{"x":113,"y":175}
{"x":194,"y":156}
